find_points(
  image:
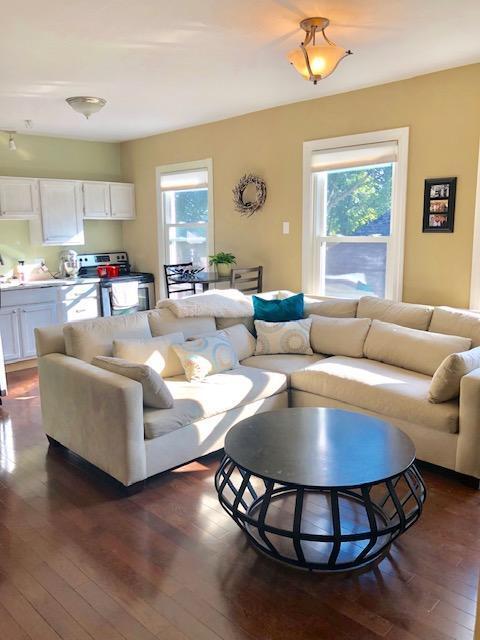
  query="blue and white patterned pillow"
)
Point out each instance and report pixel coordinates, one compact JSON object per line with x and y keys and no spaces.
{"x":283,"y":337}
{"x":205,"y":356}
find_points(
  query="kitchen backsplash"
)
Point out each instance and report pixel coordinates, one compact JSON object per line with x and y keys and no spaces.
{"x":15,"y":244}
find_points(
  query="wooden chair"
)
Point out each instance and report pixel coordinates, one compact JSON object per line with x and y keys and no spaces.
{"x":177,"y":287}
{"x":247,"y":280}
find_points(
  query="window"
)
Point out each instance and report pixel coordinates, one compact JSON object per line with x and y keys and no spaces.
{"x":354,"y":210}
{"x":185,"y":213}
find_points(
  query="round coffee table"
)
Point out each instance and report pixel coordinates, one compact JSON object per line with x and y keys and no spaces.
{"x":320,"y":488}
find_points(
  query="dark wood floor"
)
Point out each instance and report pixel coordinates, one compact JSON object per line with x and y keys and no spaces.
{"x":78,"y":561}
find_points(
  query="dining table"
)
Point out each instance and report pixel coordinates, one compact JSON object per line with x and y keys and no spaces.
{"x":203,"y":278}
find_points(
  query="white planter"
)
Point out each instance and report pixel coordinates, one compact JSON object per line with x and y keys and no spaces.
{"x":224,"y":270}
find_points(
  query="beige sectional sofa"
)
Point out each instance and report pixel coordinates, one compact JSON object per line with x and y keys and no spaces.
{"x":100,"y":415}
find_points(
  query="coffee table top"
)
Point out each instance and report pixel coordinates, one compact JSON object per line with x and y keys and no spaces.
{"x":319,"y":447}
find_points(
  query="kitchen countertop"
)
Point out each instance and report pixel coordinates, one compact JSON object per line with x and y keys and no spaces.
{"x":51,"y":282}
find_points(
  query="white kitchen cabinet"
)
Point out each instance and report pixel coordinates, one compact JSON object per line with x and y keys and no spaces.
{"x":61,"y":214}
{"x":30,"y":317}
{"x":122,"y":200}
{"x":19,"y":198}
{"x":96,"y":200}
{"x":78,"y":302}
{"x":10,"y":332}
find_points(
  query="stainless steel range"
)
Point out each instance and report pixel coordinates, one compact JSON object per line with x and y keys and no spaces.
{"x":88,"y":268}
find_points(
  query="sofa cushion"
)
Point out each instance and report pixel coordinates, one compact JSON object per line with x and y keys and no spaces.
{"x":339,"y":336}
{"x":415,"y":316}
{"x":214,"y":395}
{"x":457,"y":322}
{"x":155,"y":392}
{"x":163,"y":321}
{"x":283,"y":337}
{"x":446,"y":380}
{"x":89,"y":338}
{"x":335,"y":308}
{"x":381,"y":388}
{"x":285,"y":363}
{"x":206,"y":356}
{"x":412,"y":349}
{"x":224,"y":323}
{"x":155,"y":352}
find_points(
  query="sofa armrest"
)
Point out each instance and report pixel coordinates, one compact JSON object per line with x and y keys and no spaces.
{"x":95,"y":413}
{"x":468,"y":449}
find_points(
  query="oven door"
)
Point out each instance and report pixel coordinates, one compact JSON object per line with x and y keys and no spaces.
{"x":146,"y":299}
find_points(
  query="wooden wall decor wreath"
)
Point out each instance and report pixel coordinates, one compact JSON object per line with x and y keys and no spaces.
{"x":248,"y":208}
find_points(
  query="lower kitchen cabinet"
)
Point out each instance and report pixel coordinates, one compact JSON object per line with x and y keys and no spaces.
{"x":10,"y":332}
{"x":31,"y":317}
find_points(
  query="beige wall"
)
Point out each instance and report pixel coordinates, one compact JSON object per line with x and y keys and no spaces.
{"x":443,"y":113}
{"x":45,"y":157}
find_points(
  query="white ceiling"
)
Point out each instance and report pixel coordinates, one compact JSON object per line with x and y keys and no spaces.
{"x":164,"y":64}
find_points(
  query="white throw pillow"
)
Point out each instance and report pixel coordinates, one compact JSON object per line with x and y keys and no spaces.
{"x":156,"y":394}
{"x":446,"y":380}
{"x":206,"y":356}
{"x":339,"y":336}
{"x":283,"y":337}
{"x":156,"y":352}
{"x":242,"y":340}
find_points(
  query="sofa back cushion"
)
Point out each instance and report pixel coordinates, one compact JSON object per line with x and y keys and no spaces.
{"x":225,"y":323}
{"x":89,"y":338}
{"x":339,"y":308}
{"x":445,"y":383}
{"x":49,"y":339}
{"x":420,"y":351}
{"x":456,"y":322}
{"x":163,"y":322}
{"x":339,"y":336}
{"x":415,"y":316}
{"x":156,"y":352}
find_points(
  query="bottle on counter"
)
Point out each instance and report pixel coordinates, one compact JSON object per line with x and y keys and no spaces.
{"x":20,"y":271}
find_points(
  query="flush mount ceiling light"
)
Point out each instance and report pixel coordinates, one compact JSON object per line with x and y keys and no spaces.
{"x":316,"y":61}
{"x":11,"y":140}
{"x":86,"y":105}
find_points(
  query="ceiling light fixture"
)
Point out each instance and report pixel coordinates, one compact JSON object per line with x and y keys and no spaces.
{"x":86,"y":105}
{"x":316,"y":61}
{"x":11,"y":140}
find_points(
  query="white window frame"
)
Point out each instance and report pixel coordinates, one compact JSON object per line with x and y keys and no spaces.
{"x":475,"y":272}
{"x":162,"y":226}
{"x":311,"y":249}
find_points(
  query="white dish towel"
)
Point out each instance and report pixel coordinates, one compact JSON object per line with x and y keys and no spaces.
{"x":124,"y":295}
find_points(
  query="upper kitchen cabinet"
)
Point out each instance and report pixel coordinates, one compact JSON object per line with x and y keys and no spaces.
{"x":122,"y":200}
{"x":96,"y":200}
{"x":61,"y":214}
{"x":108,"y":200}
{"x":19,"y":198}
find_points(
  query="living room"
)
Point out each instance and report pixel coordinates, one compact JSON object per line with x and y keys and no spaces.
{"x":303,"y":462}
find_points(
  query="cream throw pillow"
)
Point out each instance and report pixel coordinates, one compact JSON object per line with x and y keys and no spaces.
{"x":339,"y":336}
{"x":206,"y":356}
{"x":445,"y":383}
{"x":156,"y":352}
{"x":283,"y":337}
{"x":156,"y":394}
{"x":242,"y":340}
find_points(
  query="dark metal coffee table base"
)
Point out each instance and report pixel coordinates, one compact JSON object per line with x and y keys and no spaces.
{"x":332,"y":529}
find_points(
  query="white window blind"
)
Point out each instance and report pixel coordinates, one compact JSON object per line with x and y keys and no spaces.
{"x":184,"y":180}
{"x":358,"y":156}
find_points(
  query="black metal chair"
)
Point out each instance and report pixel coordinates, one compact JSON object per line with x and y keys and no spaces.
{"x":247,"y":280}
{"x":172,"y":286}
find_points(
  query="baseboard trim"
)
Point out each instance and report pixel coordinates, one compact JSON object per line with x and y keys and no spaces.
{"x":21,"y":365}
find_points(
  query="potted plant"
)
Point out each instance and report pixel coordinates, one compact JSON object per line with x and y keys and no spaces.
{"x":223,"y":262}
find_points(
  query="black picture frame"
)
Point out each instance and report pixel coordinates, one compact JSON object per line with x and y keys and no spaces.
{"x":439,"y":205}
